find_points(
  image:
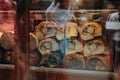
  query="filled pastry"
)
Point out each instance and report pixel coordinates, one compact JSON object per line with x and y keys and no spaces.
{"x":94,"y":47}
{"x":99,"y":62}
{"x":51,"y":60}
{"x":47,"y":45}
{"x":67,"y":31}
{"x":34,"y":58}
{"x":71,"y":46}
{"x":90,"y":30}
{"x":71,"y":29}
{"x":45,"y":29}
{"x":7,"y":40}
{"x":75,"y":61}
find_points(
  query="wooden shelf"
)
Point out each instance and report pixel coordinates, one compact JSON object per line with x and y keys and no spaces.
{"x":75,"y":73}
{"x":71,"y":71}
{"x":7,"y":66}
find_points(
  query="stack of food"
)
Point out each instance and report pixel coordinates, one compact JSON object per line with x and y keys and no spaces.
{"x":73,"y":46}
{"x":7,"y":43}
{"x":96,"y":49}
{"x":7,"y":23}
{"x":51,"y":60}
{"x":45,"y":29}
{"x":48,"y":46}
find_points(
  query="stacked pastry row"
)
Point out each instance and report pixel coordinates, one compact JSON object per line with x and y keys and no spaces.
{"x":71,"y":46}
{"x":7,"y":42}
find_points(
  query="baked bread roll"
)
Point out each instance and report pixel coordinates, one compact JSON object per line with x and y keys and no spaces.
{"x":94,"y":47}
{"x":51,"y":60}
{"x":34,"y":58}
{"x":68,"y":32}
{"x":71,"y":46}
{"x":71,"y":29}
{"x":33,"y":42}
{"x":99,"y":62}
{"x":90,"y":30}
{"x":75,"y":61}
{"x":45,"y":29}
{"x":7,"y":40}
{"x":47,"y":45}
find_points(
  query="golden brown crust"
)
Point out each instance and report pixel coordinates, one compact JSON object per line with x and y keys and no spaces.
{"x":47,"y":45}
{"x":94,"y":47}
{"x":90,"y":30}
{"x":71,"y":29}
{"x":7,"y":40}
{"x":45,"y":29}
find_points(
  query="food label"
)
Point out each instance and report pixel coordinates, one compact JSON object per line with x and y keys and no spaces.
{"x":113,"y":25}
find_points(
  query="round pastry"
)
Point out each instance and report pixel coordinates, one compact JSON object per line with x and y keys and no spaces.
{"x":7,"y":40}
{"x":34,"y":58}
{"x":71,"y":29}
{"x":47,"y":45}
{"x":90,"y":30}
{"x":51,"y":60}
{"x":75,"y":61}
{"x":45,"y":29}
{"x":94,"y":47}
{"x":33,"y":42}
{"x":71,"y":46}
{"x":99,"y":62}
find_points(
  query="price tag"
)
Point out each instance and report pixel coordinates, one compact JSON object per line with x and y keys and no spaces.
{"x":113,"y":25}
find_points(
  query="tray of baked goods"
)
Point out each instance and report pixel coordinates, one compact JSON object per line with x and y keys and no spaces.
{"x":80,"y":45}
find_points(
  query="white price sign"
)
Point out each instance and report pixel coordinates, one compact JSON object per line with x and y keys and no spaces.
{"x":113,"y":25}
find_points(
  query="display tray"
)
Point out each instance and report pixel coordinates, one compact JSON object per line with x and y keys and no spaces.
{"x":83,"y":74}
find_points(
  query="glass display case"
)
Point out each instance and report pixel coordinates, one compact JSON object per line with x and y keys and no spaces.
{"x":64,"y":40}
{"x":7,"y":25}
